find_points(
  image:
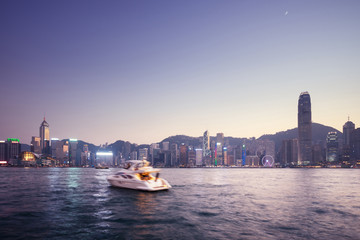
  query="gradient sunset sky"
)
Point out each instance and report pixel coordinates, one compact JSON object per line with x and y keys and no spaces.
{"x":144,"y":70}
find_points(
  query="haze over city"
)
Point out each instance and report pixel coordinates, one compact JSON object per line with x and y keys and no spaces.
{"x":145,"y":70}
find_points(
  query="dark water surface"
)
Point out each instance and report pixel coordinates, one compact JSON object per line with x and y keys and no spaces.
{"x":76,"y":203}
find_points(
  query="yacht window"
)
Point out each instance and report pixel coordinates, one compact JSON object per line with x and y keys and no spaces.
{"x":124,"y":176}
{"x":129,"y":176}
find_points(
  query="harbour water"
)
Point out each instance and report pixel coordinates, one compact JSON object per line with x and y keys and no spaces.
{"x":78,"y":203}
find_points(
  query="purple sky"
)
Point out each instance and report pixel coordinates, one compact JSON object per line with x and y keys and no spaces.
{"x":145,"y":70}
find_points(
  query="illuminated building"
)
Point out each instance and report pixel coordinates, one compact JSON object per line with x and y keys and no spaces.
{"x":231,"y":159}
{"x":165,"y":146}
{"x":289,"y":152}
{"x":348,"y":129}
{"x":225,"y":156}
{"x":183,"y":155}
{"x":252,"y":161}
{"x":28,"y":159}
{"x":219,"y":147}
{"x":206,"y":144}
{"x":85,"y":156}
{"x":133,"y":155}
{"x":72,"y":151}
{"x":35,"y":145}
{"x":243,"y":155}
{"x":154,"y":146}
{"x":154,"y":151}
{"x":317,"y":155}
{"x":60,"y":151}
{"x":3,"y":158}
{"x":143,"y":154}
{"x":191,"y":157}
{"x":127,"y":150}
{"x":104,"y":158}
{"x":157,"y":158}
{"x":174,"y":155}
{"x":304,"y":129}
{"x":53,"y":143}
{"x":13,"y":150}
{"x":332,"y":147}
{"x":166,"y":156}
{"x":199,"y":157}
{"x":355,"y":146}
{"x":44,"y":137}
{"x":237,"y":155}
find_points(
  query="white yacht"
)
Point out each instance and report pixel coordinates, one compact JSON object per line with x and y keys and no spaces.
{"x":137,"y":175}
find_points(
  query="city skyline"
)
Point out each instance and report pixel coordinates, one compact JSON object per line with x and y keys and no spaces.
{"x":144,"y":71}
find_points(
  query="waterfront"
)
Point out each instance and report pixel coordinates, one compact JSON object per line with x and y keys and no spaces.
{"x":78,"y":203}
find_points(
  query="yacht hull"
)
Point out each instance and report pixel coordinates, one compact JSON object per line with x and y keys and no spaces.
{"x":149,"y":185}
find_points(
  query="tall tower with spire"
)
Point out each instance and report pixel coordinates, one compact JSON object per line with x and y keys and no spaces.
{"x":304,"y":129}
{"x":348,"y":127}
{"x":44,"y":136}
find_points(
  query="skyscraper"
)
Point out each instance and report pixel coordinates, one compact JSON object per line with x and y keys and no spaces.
{"x":53,"y":144}
{"x":219,"y":148}
{"x":174,"y":154}
{"x":143,"y":154}
{"x":347,"y":129}
{"x":165,"y":146}
{"x":243,"y":154}
{"x":198,"y":157}
{"x":355,"y":146}
{"x":304,"y":128}
{"x":13,"y":150}
{"x":332,"y":147}
{"x":35,"y":145}
{"x":73,"y":144}
{"x":183,"y":155}
{"x":44,"y":136}
{"x":3,"y":158}
{"x":289,"y":152}
{"x":206,"y":144}
{"x":191,"y":161}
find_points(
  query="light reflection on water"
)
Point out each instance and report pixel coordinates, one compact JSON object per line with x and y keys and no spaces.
{"x":203,"y":203}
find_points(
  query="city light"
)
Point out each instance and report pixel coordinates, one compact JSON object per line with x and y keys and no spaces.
{"x":104,"y":153}
{"x":54,"y":139}
{"x":13,"y":140}
{"x":73,"y":140}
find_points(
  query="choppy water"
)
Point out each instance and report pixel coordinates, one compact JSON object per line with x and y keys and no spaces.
{"x":75,"y":203}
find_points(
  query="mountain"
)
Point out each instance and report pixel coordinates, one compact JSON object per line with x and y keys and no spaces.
{"x":179,"y":139}
{"x":125,"y":147}
{"x":319,"y":133}
{"x":91,"y":147}
{"x":197,"y":141}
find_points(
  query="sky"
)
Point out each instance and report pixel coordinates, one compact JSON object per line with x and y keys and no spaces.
{"x":141,"y":71}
